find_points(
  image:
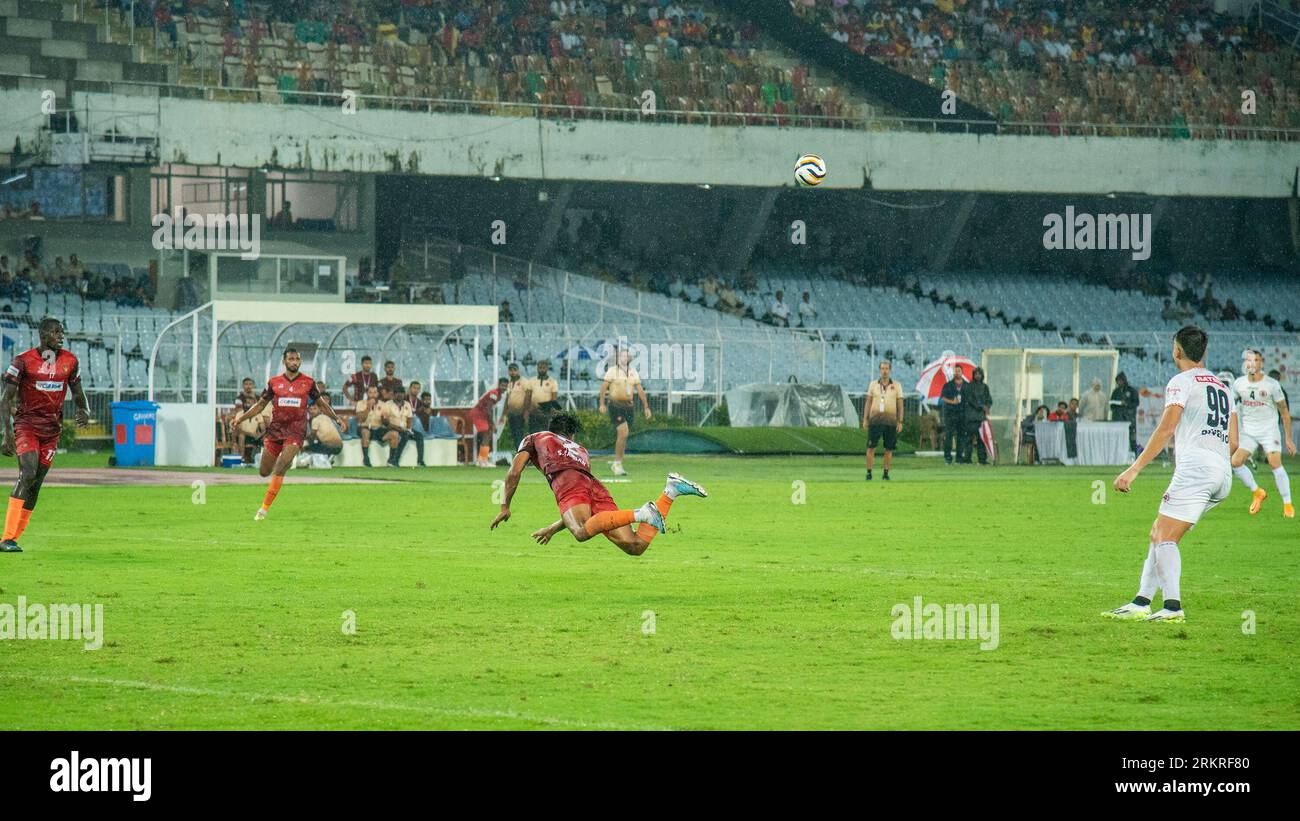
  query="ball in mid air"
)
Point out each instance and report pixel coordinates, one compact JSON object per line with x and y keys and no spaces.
{"x":810,"y":170}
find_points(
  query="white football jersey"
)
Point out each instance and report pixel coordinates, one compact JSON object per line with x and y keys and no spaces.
{"x":1202,"y":434}
{"x":1258,"y":405}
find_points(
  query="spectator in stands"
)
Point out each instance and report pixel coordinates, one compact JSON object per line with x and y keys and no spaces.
{"x":504,"y":314}
{"x":807,"y":313}
{"x":34,"y":212}
{"x":780,"y":312}
{"x":976,"y":401}
{"x":359,"y":384}
{"x":1230,"y":312}
{"x":545,"y":398}
{"x":1061,"y":414}
{"x":1074,"y":410}
{"x":729,"y":301}
{"x":519,"y":395}
{"x":1123,"y":407}
{"x":283,"y":219}
{"x":953,"y":418}
{"x":389,"y":380}
{"x":1093,"y":404}
{"x":370,"y":421}
{"x":1169,"y":313}
{"x":75,"y":267}
{"x":249,"y":431}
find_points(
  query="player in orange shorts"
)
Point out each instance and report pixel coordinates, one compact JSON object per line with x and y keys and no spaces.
{"x":586,"y":507}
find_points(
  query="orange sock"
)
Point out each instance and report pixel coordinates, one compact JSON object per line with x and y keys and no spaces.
{"x":483,"y":452}
{"x":12,"y":516}
{"x":271,"y":491}
{"x":24,"y":515}
{"x":608,"y":520}
{"x":646,"y":532}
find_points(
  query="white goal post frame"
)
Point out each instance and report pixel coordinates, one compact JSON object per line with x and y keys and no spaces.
{"x":394,"y":317}
{"x":1021,"y":389}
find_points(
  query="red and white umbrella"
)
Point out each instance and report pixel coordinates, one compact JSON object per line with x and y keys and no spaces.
{"x":939,"y":373}
{"x":986,"y":436}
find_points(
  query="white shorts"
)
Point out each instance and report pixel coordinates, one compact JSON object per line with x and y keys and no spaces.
{"x":1194,"y":490}
{"x":1271,"y":443}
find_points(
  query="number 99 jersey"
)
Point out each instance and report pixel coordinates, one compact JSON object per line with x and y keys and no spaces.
{"x":1202,"y":434}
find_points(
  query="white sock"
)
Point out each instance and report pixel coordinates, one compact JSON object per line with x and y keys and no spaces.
{"x":1283,"y":484}
{"x":670,"y":491}
{"x":642,"y":515}
{"x":1150,"y":578}
{"x":1247,"y":478}
{"x":1169,"y":564}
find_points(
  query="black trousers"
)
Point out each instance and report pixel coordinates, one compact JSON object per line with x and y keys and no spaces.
{"x":952,"y":437}
{"x":518,"y":428}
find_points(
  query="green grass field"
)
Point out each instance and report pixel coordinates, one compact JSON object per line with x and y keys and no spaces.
{"x":767,"y":613}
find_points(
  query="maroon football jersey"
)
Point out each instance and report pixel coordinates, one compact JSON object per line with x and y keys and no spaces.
{"x":552,"y":453}
{"x":43,"y":379}
{"x":486,"y":401}
{"x":289,"y":399}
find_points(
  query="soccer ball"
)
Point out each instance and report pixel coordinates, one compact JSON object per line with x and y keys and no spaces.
{"x":810,"y":170}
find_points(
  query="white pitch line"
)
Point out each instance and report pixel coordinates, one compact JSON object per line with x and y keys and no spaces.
{"x":128,"y":684}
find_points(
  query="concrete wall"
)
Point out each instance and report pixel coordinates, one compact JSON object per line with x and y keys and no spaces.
{"x":253,"y":135}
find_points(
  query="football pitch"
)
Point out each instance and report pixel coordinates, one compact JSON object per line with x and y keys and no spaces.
{"x":773,"y":604}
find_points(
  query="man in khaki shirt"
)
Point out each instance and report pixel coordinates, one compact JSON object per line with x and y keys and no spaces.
{"x":373,"y":415}
{"x":545,"y":400}
{"x":621,"y":383}
{"x":882,"y":416}
{"x":518,"y":395}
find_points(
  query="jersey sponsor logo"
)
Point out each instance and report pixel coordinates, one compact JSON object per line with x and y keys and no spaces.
{"x":49,"y":385}
{"x":1214,"y":380}
{"x":289,"y":401}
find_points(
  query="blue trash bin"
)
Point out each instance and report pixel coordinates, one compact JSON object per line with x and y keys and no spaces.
{"x":134,"y":426}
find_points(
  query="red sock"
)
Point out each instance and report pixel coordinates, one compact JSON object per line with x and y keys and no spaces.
{"x":12,"y":516}
{"x":24,"y":516}
{"x":609,"y":520}
{"x":271,"y":491}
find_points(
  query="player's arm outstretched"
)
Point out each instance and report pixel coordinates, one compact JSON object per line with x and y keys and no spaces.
{"x":512,"y":484}
{"x":328,"y":409}
{"x":258,"y":408}
{"x":1156,"y":444}
{"x":7,"y":418}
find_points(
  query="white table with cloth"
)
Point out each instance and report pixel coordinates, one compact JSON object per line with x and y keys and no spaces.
{"x":1099,"y":443}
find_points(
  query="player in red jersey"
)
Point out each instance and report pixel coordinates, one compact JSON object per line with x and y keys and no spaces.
{"x":586,"y":508}
{"x":39,"y":379}
{"x":481,"y":418}
{"x":291,"y":392}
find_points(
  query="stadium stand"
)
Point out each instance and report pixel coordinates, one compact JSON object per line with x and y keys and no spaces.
{"x":1166,"y":68}
{"x":564,"y":56}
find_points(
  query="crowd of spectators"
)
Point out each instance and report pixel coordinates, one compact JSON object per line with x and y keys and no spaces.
{"x":565,"y":53}
{"x":1169,"y":63}
{"x":28,"y":275}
